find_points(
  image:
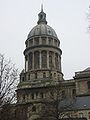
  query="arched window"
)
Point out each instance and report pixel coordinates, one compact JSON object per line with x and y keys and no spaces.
{"x":56,"y":61}
{"x":50,"y":59}
{"x":44,"y":59}
{"x":44,"y":75}
{"x":32,"y":95}
{"x":23,"y":79}
{"x":50,"y":75}
{"x":35,"y":75}
{"x":30,"y":60}
{"x":23,"y":97}
{"x":42,"y":95}
{"x":36,"y":59}
{"x":34,"y":109}
{"x":58,"y":77}
{"x":28,"y":76}
{"x":74,"y":92}
{"x":59,"y":61}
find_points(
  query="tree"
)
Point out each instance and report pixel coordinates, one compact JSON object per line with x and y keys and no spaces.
{"x":8,"y":81}
{"x":57,"y":104}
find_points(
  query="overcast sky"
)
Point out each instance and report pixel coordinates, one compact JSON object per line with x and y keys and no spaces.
{"x":67,"y":17}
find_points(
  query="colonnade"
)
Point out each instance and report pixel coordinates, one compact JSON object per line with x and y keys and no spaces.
{"x":42,"y":59}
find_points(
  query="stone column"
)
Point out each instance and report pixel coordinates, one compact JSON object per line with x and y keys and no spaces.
{"x":53,"y":42}
{"x":40,"y":60}
{"x":33,"y":61}
{"x":54,"y":60}
{"x":33,"y":42}
{"x":47,"y":41}
{"x":40,"y":40}
{"x":28,"y":63}
{"x":47,"y":59}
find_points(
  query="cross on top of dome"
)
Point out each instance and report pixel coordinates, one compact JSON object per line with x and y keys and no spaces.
{"x":42,"y":16}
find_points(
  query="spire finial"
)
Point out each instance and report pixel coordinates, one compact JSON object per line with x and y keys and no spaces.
{"x":41,"y":7}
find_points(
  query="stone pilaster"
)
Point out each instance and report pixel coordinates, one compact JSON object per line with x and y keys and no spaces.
{"x":47,"y":41}
{"x":47,"y":59}
{"x":33,"y":62}
{"x":40,"y":40}
{"x":40,"y":60}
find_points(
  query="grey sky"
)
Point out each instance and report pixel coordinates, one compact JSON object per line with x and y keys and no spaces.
{"x":67,"y":17}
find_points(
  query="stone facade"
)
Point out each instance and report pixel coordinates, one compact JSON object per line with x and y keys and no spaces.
{"x":43,"y":72}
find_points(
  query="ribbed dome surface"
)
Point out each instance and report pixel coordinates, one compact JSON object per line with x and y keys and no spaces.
{"x":42,"y":29}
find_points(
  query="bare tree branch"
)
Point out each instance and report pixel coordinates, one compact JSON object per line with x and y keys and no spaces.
{"x":8,"y":80}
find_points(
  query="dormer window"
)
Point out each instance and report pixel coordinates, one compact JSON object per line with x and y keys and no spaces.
{"x":44,"y":41}
{"x":36,"y":42}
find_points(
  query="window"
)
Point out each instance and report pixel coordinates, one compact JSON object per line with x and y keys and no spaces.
{"x":30,"y":60}
{"x":73,"y":92}
{"x":88,"y":84}
{"x":32,"y":96}
{"x":36,"y":94}
{"x":35,"y":75}
{"x":36,"y":59}
{"x":50,"y":75}
{"x":89,"y":115}
{"x":22,"y":78}
{"x":58,"y":77}
{"x":50,"y":41}
{"x":56,"y":61}
{"x":50,"y":59}
{"x":28,"y":76}
{"x":23,"y":97}
{"x":44,"y":59}
{"x":80,"y":115}
{"x":33,"y":109}
{"x":54,"y":74}
{"x":44,"y":75}
{"x":41,"y":94}
{"x":36,"y":41}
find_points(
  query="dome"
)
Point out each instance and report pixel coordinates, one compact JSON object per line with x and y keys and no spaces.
{"x":42,"y":29}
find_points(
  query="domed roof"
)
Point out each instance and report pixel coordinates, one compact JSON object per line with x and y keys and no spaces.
{"x":42,"y":28}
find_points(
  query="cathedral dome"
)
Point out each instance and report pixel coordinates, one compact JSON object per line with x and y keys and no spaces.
{"x":42,"y":28}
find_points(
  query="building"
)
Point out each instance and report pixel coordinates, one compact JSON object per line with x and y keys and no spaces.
{"x":43,"y":73}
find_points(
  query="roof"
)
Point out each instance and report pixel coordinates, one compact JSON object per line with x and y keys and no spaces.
{"x":87,"y":69}
{"x":79,"y":103}
{"x":42,"y":29}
